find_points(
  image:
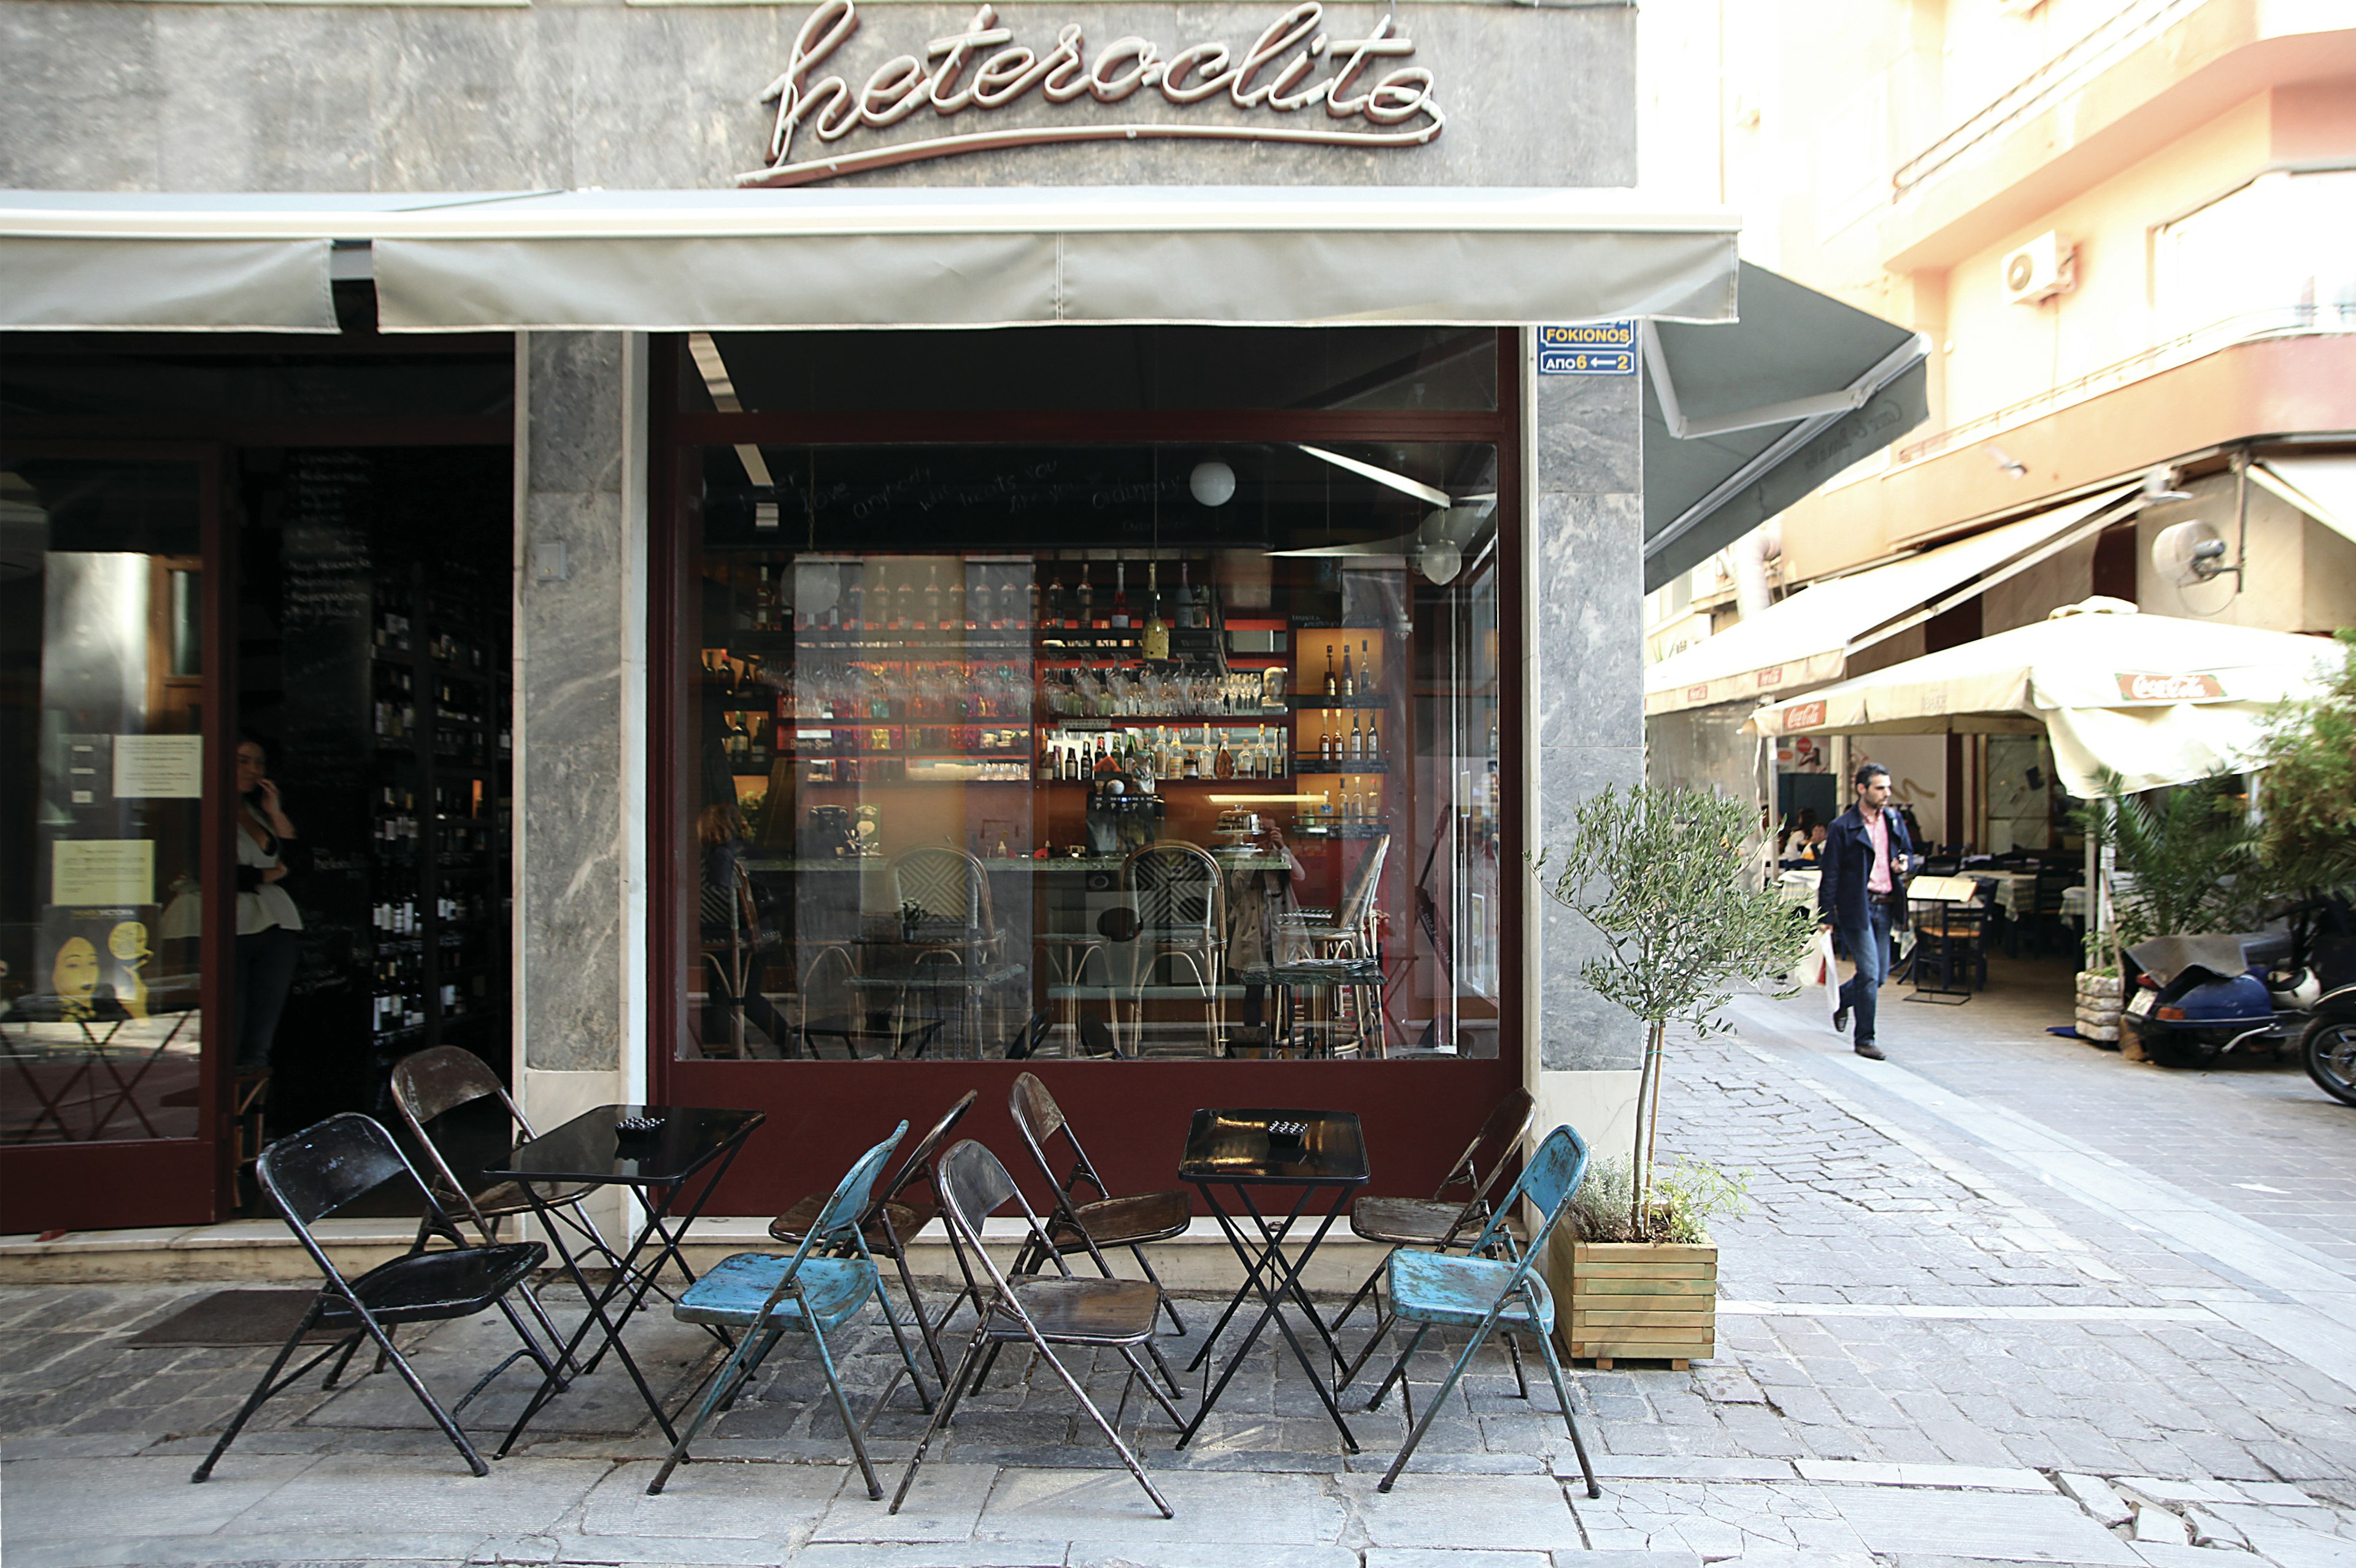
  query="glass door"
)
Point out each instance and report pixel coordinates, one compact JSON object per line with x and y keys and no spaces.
{"x":116,"y":875}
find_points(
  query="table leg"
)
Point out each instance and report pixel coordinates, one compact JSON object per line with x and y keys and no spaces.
{"x":1252,"y":1267}
{"x":596,"y":1300}
{"x":1289,"y":1283}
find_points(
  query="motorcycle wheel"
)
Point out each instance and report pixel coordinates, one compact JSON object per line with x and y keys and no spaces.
{"x":2329,"y":1047}
{"x":2180,"y":1048}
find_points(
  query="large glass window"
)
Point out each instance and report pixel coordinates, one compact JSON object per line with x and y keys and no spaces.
{"x":102,"y":770}
{"x":1118,"y":750}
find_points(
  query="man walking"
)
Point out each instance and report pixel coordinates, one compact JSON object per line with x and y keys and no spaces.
{"x":1862,"y":894}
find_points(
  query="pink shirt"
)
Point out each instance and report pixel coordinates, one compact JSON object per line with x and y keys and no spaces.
{"x":1877,"y":830}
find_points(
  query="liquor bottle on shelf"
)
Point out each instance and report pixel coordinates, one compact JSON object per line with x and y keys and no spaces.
{"x":1357,"y":739}
{"x":1154,"y":643}
{"x":903,"y":603}
{"x":1366,"y":672}
{"x":1349,"y":678}
{"x":1333,"y":687}
{"x":1374,"y":741}
{"x":1013,"y":596}
{"x":989,"y":605}
{"x":933,"y":621}
{"x":1223,"y":766}
{"x":958,"y":621}
{"x":853,"y":609}
{"x":1087,"y":596}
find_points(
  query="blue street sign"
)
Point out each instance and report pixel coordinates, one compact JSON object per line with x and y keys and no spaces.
{"x":1595,"y":348}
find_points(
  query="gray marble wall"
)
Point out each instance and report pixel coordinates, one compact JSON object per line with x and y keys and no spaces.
{"x":392,"y":98}
{"x":572,"y":631}
{"x":1585,"y":672}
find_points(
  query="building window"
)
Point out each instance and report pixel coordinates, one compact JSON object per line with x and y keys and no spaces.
{"x":1130,"y":749}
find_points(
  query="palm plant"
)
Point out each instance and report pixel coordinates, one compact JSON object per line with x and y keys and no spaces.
{"x":1664,"y":876}
{"x":2193,"y":856}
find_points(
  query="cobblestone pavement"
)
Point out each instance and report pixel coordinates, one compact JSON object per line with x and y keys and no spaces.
{"x":1970,"y":1318}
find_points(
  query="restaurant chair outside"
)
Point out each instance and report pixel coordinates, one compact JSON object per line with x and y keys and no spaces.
{"x":1440,"y":1222}
{"x":1487,"y":1294}
{"x":311,"y":1174}
{"x":1043,"y":1312}
{"x":1133,"y":1221}
{"x":900,"y":1208}
{"x":764,"y":1296}
{"x":431,"y":1083}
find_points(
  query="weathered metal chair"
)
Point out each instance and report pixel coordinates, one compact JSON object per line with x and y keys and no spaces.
{"x":310,"y":1175}
{"x":1487,"y":1294}
{"x":766,"y":1296}
{"x":1106,"y":1314}
{"x":900,"y":1208}
{"x":430,"y":1084}
{"x":1132,"y":1222}
{"x":1180,"y":896}
{"x":1440,"y":1222}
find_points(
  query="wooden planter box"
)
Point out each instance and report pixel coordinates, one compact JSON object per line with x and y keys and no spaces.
{"x":1636,"y":1301}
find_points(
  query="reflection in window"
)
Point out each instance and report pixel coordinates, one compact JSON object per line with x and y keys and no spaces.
{"x":100,"y":766}
{"x":1121,"y":751}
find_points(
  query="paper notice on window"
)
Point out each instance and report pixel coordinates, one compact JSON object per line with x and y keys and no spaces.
{"x":102,"y":871}
{"x":159,"y":767}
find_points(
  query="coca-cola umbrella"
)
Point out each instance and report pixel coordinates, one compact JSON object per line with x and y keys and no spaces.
{"x":2156,"y":699}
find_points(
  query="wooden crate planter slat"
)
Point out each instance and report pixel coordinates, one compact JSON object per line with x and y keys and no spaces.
{"x":1639,"y":1302}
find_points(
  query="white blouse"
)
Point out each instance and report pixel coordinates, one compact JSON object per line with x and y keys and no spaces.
{"x":269,"y":905}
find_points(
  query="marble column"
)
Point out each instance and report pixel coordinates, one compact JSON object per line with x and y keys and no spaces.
{"x":1584,"y":686}
{"x":580,"y":721}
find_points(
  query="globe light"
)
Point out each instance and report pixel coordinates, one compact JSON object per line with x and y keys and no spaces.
{"x":1213,"y":483}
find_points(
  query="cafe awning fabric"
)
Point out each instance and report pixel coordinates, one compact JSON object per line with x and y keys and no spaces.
{"x":1809,"y":637}
{"x":677,"y":261}
{"x":2158,"y":699}
{"x":2322,"y":487}
{"x":1742,"y":422}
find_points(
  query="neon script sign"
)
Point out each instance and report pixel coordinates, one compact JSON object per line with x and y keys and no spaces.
{"x":1295,"y":66}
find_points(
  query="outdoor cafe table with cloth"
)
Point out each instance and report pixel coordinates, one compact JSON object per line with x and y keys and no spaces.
{"x":1229,"y":1154}
{"x":658,"y":1165}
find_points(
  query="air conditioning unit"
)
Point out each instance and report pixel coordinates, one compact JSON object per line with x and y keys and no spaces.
{"x":2046,"y":266}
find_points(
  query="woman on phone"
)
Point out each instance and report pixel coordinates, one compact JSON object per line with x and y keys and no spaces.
{"x":269,"y":927}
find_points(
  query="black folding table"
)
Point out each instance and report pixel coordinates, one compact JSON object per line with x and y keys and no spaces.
{"x":1229,"y":1155}
{"x":659,"y":1169}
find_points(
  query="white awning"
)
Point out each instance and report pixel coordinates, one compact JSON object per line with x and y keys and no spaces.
{"x":670,"y":260}
{"x":1807,"y":639}
{"x":2322,"y":487}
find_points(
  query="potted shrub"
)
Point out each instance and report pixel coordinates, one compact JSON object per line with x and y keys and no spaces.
{"x":1665,"y":879}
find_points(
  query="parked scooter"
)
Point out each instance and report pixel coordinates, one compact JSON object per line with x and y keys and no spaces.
{"x":2201,"y":997}
{"x":2329,"y":1044}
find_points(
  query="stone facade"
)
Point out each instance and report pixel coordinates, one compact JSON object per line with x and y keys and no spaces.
{"x":289,"y":97}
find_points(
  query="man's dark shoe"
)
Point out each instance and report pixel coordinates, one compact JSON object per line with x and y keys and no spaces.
{"x":1869,"y":1050}
{"x":1840,"y":1018}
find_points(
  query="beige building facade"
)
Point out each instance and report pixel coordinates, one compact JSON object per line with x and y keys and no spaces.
{"x":2128,"y":231}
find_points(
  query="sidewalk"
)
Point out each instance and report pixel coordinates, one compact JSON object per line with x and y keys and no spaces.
{"x":1994,"y":1297}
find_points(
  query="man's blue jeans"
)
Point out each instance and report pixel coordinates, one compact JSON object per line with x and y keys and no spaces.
{"x":1867,"y":942}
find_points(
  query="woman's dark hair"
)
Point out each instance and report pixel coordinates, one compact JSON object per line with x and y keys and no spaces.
{"x":1807,"y":818}
{"x":1865,"y":771}
{"x":248,"y":738}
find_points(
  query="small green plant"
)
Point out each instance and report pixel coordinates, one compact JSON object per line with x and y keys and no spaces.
{"x":1665,"y":878}
{"x":1686,"y":1197}
{"x":2308,"y":793}
{"x":2193,"y":856}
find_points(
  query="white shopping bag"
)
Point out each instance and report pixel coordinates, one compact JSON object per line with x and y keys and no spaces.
{"x":1818,"y":967}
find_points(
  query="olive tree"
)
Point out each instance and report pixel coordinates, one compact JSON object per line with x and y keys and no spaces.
{"x":1666,"y":878}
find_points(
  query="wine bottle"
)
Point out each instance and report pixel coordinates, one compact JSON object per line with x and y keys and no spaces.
{"x":958,"y":621}
{"x":903,"y":603}
{"x":1154,"y":644}
{"x":1349,"y":680}
{"x":851,"y":602}
{"x":1358,"y":738}
{"x":1121,"y":596}
{"x":1088,"y":598}
{"x":1333,"y":687}
{"x":933,"y":600}
{"x":1223,"y":766}
{"x":1366,"y":672}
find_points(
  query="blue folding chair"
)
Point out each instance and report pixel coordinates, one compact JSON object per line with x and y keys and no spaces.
{"x":1486,"y":1294}
{"x":765,"y":1294}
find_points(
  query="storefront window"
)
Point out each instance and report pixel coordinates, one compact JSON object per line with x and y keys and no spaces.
{"x":102,"y":771}
{"x":1118,"y":750}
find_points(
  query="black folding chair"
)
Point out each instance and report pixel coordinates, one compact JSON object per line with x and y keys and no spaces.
{"x":1109,"y":1314}
{"x":895,"y":1212}
{"x":316,"y":1171}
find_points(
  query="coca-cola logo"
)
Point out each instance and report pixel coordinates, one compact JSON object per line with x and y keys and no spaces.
{"x":1803,"y":716}
{"x":1300,"y":82}
{"x":2139,"y":686}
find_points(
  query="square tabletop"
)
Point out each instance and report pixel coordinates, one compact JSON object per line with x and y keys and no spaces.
{"x":1235,"y":1146}
{"x":590,"y":1148}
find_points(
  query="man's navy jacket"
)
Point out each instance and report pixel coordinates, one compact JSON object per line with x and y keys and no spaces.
{"x":1846,"y":859}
